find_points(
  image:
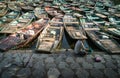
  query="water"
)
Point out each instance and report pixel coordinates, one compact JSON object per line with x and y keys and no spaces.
{"x":64,"y":44}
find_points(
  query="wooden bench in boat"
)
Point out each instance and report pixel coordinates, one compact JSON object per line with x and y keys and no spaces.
{"x":48,"y":39}
{"x":54,"y":22}
{"x":101,"y":15}
{"x":23,"y":20}
{"x":71,"y":22}
{"x":91,"y":28}
{"x":109,"y":44}
{"x":118,"y":15}
{"x":77,"y":35}
{"x":111,"y":29}
{"x":45,"y":46}
{"x":12,"y":14}
{"x":70,"y":18}
{"x":78,"y":15}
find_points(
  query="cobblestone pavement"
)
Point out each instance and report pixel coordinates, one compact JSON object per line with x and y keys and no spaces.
{"x":28,"y":64}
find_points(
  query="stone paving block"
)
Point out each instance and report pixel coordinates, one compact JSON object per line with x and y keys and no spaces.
{"x":39,"y":65}
{"x":82,"y":73}
{"x":8,"y":56}
{"x":110,"y":65}
{"x":24,"y":73}
{"x":80,"y":60}
{"x":25,"y":57}
{"x":99,"y":65}
{"x":53,"y":73}
{"x":22,"y":58}
{"x":70,"y":60}
{"x":119,"y":72}
{"x":110,"y":73}
{"x":108,"y":58}
{"x":32,"y":62}
{"x":89,"y":58}
{"x":43,"y":56}
{"x":87,"y":65}
{"x":75,"y":66}
{"x":50,"y":65}
{"x":59,"y":59}
{"x":116,"y":57}
{"x":1,"y":56}
{"x":49,"y":60}
{"x":118,"y":65}
{"x":6,"y":74}
{"x":67,"y":73}
{"x":37,"y":56}
{"x":96,"y":73}
{"x":63,"y":65}
{"x":5,"y":64}
{"x":38,"y":70}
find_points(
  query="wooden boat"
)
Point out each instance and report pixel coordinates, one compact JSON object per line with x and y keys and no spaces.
{"x":104,"y":42}
{"x":100,"y":39}
{"x":72,"y":27}
{"x":86,"y":9}
{"x":99,"y":4}
{"x":50,"y":37}
{"x":27,"y":8}
{"x":57,"y":19}
{"x":75,"y":32}
{"x":108,"y":4}
{"x":56,"y":2}
{"x":40,"y":13}
{"x":66,"y":9}
{"x":19,"y":23}
{"x":63,"y":1}
{"x":53,"y":11}
{"x":3,"y":9}
{"x":14,"y":6}
{"x":9,"y":17}
{"x":23,"y":37}
{"x":115,"y":20}
{"x":115,"y":32}
{"x":100,"y":8}
{"x":97,"y":18}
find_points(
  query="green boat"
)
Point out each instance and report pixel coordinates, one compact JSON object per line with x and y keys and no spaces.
{"x":96,"y":18}
{"x":50,"y":38}
{"x":115,"y":20}
{"x":19,"y":23}
{"x":3,"y":9}
{"x":23,"y":37}
{"x":115,"y":32}
{"x":56,"y":2}
{"x":99,"y":4}
{"x":40,"y":12}
{"x":75,"y":32}
{"x":9,"y":17}
{"x":101,"y":39}
{"x":66,"y":9}
{"x":86,"y":9}
{"x":14,"y":6}
{"x":63,"y":1}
